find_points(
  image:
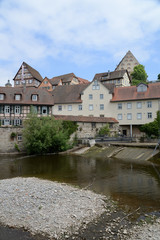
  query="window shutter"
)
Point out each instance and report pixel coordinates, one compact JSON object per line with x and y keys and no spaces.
{"x":20,"y":109}
{"x":47,"y":110}
{"x":40,"y":109}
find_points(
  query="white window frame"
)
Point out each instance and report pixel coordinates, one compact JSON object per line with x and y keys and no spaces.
{"x":17,"y":109}
{"x":101,"y":96}
{"x":34,"y":97}
{"x":59,"y":107}
{"x":149,"y":115}
{"x":1,"y":96}
{"x":101,"y":107}
{"x":6,"y":122}
{"x":30,"y":81}
{"x":80,"y":107}
{"x":139,"y":116}
{"x":119,"y":116}
{"x":139,"y":105}
{"x":17,"y":97}
{"x":19,"y":137}
{"x":17,"y":82}
{"x":7,"y":109}
{"x":129,"y":116}
{"x":119,"y":106}
{"x":90,"y":96}
{"x":90,"y":107}
{"x":129,"y":105}
{"x":69,"y":107}
{"x":17,"y":122}
{"x":149,"y":104}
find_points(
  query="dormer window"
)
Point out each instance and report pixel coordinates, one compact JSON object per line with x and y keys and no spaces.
{"x":34,"y":97}
{"x":142,"y":87}
{"x":1,"y":96}
{"x":17,"y":97}
{"x":95,"y":85}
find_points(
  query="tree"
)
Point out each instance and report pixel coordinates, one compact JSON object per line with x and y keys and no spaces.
{"x":152,"y":128}
{"x":44,"y":135}
{"x":104,"y":130}
{"x":139,"y":75}
{"x":158,"y":77}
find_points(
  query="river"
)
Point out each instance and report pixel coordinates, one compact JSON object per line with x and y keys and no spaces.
{"x":131,"y":183}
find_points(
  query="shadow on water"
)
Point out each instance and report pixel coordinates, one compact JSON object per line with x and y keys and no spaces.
{"x":132,"y":183}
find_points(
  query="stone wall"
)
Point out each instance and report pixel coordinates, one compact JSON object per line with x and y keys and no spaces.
{"x":9,"y":143}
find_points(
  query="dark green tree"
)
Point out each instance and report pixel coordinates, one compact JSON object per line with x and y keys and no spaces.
{"x":158,"y":77}
{"x":139,"y":75}
{"x":45,"y":135}
{"x":104,"y":130}
{"x":152,"y":128}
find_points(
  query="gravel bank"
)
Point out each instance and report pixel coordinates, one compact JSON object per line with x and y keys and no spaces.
{"x":47,"y":208}
{"x":146,"y":232}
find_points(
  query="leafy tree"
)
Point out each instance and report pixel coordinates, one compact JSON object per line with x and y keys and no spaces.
{"x":70,"y":126}
{"x":104,"y":130}
{"x":158,"y":77}
{"x":44,"y":135}
{"x":139,"y":75}
{"x":152,"y":128}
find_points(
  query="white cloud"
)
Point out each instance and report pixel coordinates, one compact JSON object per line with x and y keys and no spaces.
{"x":36,"y":29}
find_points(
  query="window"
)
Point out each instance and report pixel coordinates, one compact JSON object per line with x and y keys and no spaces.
{"x":118,"y":81}
{"x":129,"y":116}
{"x":101,"y":115}
{"x":45,"y":82}
{"x":17,"y":97}
{"x":17,"y":110}
{"x":19,"y":137}
{"x":30,"y":81}
{"x":90,"y":96}
{"x":139,"y":116}
{"x":95,"y":85}
{"x":6,"y":122}
{"x":93,"y":125}
{"x":141,"y":88}
{"x":34,"y":97}
{"x":60,"y":108}
{"x":119,"y":116}
{"x":53,"y":87}
{"x":80,"y":107}
{"x":17,"y":122}
{"x":149,"y":115}
{"x":7,"y":109}
{"x":101,"y":106}
{"x":139,"y":105}
{"x":90,"y":107}
{"x":129,"y":105}
{"x":69,"y":107}
{"x":44,"y":110}
{"x":119,"y":105}
{"x":101,"y":96}
{"x":17,"y":82}
{"x":149,"y":104}
{"x":1,"y":96}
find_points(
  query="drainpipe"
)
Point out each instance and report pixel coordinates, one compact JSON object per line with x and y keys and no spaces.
{"x":131,"y":130}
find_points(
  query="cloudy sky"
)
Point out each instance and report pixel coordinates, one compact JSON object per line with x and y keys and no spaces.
{"x":80,"y":36}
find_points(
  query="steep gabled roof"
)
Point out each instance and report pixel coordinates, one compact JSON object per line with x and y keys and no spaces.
{"x":131,"y":93}
{"x":64,"y":78}
{"x":106,"y":76}
{"x":129,"y":55}
{"x":68,"y":93}
{"x":82,"y":80}
{"x":85,"y":119}
{"x":33,"y":72}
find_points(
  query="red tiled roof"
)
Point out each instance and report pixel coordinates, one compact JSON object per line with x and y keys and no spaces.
{"x":82,"y":81}
{"x":130,"y":93}
{"x":86,"y":119}
{"x":44,"y":97}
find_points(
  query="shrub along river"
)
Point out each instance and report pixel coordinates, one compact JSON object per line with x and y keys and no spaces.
{"x":131,"y":183}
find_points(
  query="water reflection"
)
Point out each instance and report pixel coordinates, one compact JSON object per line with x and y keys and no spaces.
{"x":135,"y":183}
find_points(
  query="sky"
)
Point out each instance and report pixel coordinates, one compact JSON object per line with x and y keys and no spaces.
{"x":80,"y":36}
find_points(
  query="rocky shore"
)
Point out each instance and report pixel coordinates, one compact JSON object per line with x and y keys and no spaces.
{"x":50,"y":210}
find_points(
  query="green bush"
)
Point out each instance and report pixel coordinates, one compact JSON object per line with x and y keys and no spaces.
{"x":46,"y":135}
{"x":104,"y":130}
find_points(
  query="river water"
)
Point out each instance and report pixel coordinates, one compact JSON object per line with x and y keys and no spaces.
{"x":131,"y":183}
